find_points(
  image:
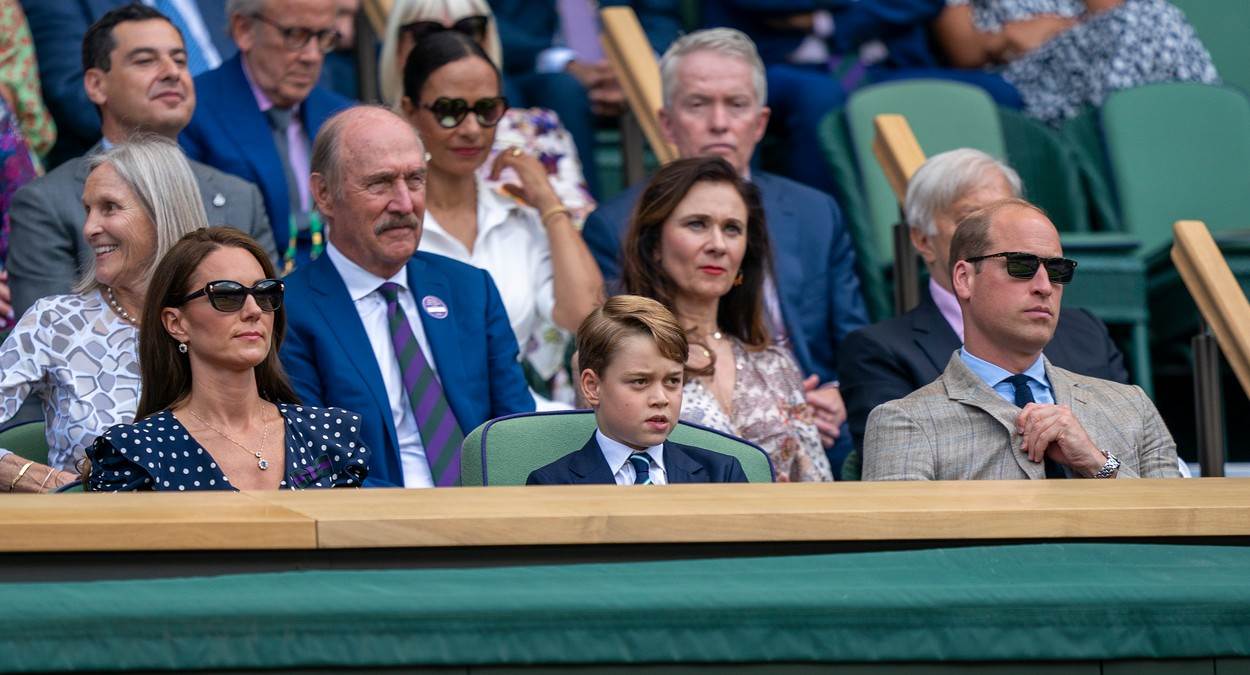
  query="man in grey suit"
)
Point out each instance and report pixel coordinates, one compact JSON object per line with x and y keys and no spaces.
{"x":135,"y":72}
{"x":1001,"y":410}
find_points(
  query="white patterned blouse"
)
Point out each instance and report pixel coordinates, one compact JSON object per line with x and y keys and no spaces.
{"x":78,"y":356}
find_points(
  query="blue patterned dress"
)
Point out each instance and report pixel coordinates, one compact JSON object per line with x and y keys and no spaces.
{"x":1138,"y":42}
{"x":323,"y":449}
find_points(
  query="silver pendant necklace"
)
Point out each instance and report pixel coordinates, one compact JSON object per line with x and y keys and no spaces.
{"x":261,"y":462}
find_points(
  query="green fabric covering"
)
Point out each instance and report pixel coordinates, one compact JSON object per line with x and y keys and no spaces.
{"x":26,"y":440}
{"x":1035,"y":602}
{"x":1179,"y":151}
{"x":506,"y":450}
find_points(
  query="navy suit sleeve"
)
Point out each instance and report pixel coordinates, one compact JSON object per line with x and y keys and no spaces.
{"x":57,"y":29}
{"x":509,"y":394}
{"x":1107,"y":351}
{"x":735,"y":473}
{"x":192,"y":144}
{"x":601,"y":239}
{"x":860,"y":22}
{"x":301,"y":367}
{"x":661,"y":20}
{"x":871,"y":375}
{"x":779,"y":7}
{"x":525,"y":29}
{"x":847,"y":310}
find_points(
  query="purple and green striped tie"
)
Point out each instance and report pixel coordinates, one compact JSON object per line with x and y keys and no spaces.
{"x":440,"y":432}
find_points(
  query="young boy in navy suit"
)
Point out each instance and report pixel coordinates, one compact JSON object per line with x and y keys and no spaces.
{"x":632,"y":354}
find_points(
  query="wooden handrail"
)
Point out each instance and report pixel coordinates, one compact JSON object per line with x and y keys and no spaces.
{"x":897,"y":150}
{"x":628,"y":50}
{"x":377,"y":11}
{"x":1216,"y":292}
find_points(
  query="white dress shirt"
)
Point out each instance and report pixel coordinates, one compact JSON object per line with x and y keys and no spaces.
{"x":362,"y":286}
{"x":617,"y":454}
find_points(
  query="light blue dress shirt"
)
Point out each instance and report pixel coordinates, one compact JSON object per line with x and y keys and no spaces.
{"x":996,"y":378}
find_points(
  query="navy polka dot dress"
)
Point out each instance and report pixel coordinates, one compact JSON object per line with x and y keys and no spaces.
{"x":323,"y":449}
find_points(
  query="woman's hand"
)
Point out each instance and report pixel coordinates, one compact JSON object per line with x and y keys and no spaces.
{"x":535,"y":188}
{"x":1025,"y":36}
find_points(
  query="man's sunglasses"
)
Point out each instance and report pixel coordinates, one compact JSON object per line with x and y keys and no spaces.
{"x":229,"y":296}
{"x":450,"y":112}
{"x":1024,"y":265}
{"x":294,"y":38}
{"x":473,"y":26}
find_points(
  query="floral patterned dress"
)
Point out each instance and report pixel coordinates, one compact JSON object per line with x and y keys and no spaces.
{"x":17,"y":168}
{"x":538,"y":132}
{"x":1138,"y":42}
{"x":768,"y":409}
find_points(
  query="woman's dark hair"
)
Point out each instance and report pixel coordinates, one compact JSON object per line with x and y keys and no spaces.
{"x":434,"y":52}
{"x":166,"y":373}
{"x":741,"y":310}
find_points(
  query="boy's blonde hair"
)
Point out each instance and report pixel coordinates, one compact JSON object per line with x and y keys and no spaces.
{"x":601,"y":333}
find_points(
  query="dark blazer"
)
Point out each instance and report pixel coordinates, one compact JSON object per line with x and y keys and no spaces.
{"x":813,"y":262}
{"x":331,"y":363}
{"x":901,"y":25}
{"x":682,"y":464}
{"x":46,"y":244}
{"x":890,"y":359}
{"x":58,"y":27}
{"x":527,"y":27}
{"x":228,"y":131}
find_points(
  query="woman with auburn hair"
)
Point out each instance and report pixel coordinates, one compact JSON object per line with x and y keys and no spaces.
{"x":697,"y":242}
{"x":217,"y":412}
{"x":79,"y":352}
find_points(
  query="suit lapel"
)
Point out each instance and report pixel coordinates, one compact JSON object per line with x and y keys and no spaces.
{"x":786,"y":243}
{"x":932,"y":334}
{"x":339,"y":312}
{"x":964,"y":386}
{"x":589,"y":466}
{"x":680,"y":467}
{"x":246,"y":125}
{"x":443,"y":337}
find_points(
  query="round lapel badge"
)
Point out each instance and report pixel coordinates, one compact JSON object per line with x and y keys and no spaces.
{"x":219,"y":200}
{"x":434,"y":306}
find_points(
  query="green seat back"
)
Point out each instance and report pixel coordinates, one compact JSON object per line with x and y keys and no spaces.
{"x":504,"y":451}
{"x":943,"y":116}
{"x":26,"y":440}
{"x":1223,"y":26}
{"x":1178,"y":151}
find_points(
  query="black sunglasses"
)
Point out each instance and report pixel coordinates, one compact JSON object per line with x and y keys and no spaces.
{"x":229,"y":296}
{"x":294,"y":38}
{"x":450,"y":112}
{"x":473,"y":26}
{"x":1024,"y":265}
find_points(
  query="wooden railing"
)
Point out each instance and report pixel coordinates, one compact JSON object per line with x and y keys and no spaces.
{"x":626,"y":46}
{"x":900,"y":155}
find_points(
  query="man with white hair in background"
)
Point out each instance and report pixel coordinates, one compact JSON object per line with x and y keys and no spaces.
{"x":890,"y":359}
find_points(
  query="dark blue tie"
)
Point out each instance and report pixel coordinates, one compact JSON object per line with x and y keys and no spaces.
{"x":1024,"y":396}
{"x":642,"y":468}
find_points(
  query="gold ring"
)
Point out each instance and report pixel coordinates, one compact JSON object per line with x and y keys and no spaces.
{"x":516,"y":152}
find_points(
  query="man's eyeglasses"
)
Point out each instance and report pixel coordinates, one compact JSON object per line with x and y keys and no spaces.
{"x":1024,"y":265}
{"x":229,"y":296}
{"x":450,"y":112}
{"x":473,"y":26}
{"x":295,"y":37}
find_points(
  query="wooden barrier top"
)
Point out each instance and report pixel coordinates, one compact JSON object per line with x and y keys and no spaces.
{"x":597,"y":515}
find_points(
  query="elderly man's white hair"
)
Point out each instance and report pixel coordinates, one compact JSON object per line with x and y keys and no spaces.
{"x":724,"y":41}
{"x":945,"y":178}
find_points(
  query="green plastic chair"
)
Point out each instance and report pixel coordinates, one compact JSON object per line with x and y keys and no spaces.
{"x":27,"y":440}
{"x":1180,"y":151}
{"x":948,"y":115}
{"x":1223,"y":25}
{"x":504,"y":451}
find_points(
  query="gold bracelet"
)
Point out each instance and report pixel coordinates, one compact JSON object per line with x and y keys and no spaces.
{"x":21,"y":472}
{"x":555,"y":210}
{"x":44,"y":482}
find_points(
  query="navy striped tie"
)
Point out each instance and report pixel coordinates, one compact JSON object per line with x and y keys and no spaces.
{"x":642,"y":468}
{"x":440,"y":432}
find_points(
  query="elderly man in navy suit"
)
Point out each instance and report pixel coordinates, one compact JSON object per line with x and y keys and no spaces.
{"x":260,"y":110}
{"x":420,"y":345}
{"x":891,"y":359}
{"x":714,"y":104}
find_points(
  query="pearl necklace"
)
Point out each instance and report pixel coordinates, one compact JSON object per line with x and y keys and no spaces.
{"x":261,"y":462}
{"x":117,"y":306}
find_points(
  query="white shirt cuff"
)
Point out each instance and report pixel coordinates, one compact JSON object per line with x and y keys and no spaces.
{"x":554,"y":59}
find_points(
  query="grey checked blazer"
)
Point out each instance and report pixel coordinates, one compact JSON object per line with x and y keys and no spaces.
{"x":46,"y":244}
{"x":958,"y":428}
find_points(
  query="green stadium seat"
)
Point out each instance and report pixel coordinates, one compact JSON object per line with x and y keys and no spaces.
{"x":1223,"y":26}
{"x":504,"y":451}
{"x":27,"y":440}
{"x":945,"y":116}
{"x":1180,"y":151}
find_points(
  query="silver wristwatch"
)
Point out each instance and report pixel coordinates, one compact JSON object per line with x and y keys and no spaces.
{"x":1109,"y":468}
